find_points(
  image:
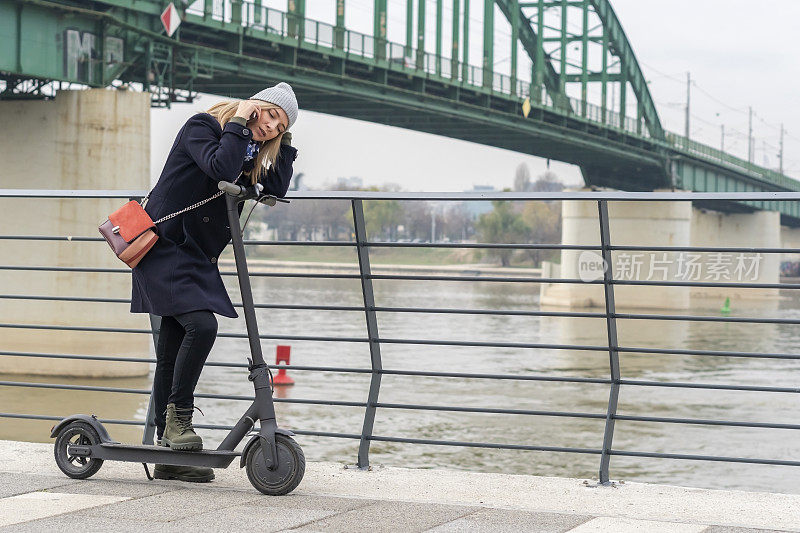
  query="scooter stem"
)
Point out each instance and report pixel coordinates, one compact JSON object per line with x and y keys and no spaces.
{"x":244,"y":280}
{"x":258,"y":368}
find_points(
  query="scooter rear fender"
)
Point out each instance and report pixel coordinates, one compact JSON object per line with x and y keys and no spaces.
{"x":91,"y":420}
{"x":253,"y":440}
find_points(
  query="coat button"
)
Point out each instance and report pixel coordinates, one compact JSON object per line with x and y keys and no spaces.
{"x":213,"y":259}
{"x":206,"y":219}
{"x":245,"y":131}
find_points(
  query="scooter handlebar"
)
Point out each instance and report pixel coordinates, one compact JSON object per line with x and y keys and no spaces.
{"x":256,"y":192}
{"x":230,"y":188}
{"x":239,"y":191}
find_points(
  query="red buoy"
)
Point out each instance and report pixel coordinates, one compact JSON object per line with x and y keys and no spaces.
{"x":282,"y":358}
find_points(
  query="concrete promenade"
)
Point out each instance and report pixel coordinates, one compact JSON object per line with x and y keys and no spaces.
{"x":36,"y":496}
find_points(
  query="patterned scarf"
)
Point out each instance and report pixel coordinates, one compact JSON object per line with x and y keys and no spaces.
{"x":252,"y":150}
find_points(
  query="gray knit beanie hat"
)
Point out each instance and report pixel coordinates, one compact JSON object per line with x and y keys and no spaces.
{"x":282,"y":95}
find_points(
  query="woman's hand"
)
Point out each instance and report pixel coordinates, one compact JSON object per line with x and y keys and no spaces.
{"x":247,"y":108}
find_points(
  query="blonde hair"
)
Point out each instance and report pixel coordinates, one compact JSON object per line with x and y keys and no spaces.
{"x":267,"y":151}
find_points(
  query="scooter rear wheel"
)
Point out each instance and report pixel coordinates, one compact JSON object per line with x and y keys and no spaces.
{"x":73,"y":466}
{"x":288,"y":474}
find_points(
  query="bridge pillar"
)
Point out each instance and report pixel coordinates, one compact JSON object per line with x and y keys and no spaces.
{"x":631,"y":223}
{"x":760,"y":229}
{"x":666,"y":224}
{"x":90,"y":139}
{"x":790,"y":238}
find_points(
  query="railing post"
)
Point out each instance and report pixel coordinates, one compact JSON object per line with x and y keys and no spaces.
{"x":372,"y":333}
{"x":236,"y":12}
{"x":150,"y":417}
{"x":256,"y":12}
{"x":339,"y":29}
{"x":296,"y":14}
{"x":613,"y":354}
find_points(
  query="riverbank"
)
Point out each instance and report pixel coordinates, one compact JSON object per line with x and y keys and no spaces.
{"x":36,"y":496}
{"x":470,"y":269}
{"x":465,"y":269}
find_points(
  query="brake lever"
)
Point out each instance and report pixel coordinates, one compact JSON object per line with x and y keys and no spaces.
{"x":266,"y":200}
{"x":270,"y":200}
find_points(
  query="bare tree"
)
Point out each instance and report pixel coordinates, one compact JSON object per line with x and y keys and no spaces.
{"x":543,"y":224}
{"x":459,"y":223}
{"x":501,"y":225}
{"x":547,"y":182}
{"x":522,"y":178}
{"x":334,"y":217}
{"x":417,"y":219}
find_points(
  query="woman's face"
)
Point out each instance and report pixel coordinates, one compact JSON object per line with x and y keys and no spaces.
{"x":268,"y":124}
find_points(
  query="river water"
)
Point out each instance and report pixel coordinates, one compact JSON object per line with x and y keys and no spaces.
{"x":496,"y":428}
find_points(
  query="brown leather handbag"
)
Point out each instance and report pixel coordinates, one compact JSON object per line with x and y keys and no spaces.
{"x":129,"y":230}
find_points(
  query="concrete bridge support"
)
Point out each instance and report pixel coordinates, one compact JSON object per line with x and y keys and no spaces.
{"x":90,"y":139}
{"x":631,"y":223}
{"x":665,"y":224}
{"x":790,"y":238}
{"x":760,"y":229}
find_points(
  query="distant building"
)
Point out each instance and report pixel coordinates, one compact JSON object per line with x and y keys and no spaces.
{"x":478,"y":208}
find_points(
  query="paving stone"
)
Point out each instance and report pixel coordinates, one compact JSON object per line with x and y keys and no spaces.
{"x":117,"y":488}
{"x":311,"y":501}
{"x":248,"y":518}
{"x":263,"y":514}
{"x":176,"y":504}
{"x":390,"y":516}
{"x":16,"y":483}
{"x":727,"y":529}
{"x":79,"y":523}
{"x":511,"y":521}
{"x":34,"y":505}
{"x":606,"y":524}
{"x":268,"y":513}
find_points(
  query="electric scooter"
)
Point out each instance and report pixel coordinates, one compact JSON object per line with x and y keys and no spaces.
{"x":274,"y":462}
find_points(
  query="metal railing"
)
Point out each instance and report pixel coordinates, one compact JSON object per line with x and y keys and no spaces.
{"x":718,"y":156}
{"x":372,"y":404}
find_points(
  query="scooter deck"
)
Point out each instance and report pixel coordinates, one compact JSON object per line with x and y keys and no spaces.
{"x":115,"y":451}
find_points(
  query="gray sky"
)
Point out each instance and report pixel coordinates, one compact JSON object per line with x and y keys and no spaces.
{"x":738,"y":55}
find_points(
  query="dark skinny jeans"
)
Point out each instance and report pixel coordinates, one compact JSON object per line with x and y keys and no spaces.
{"x":184,"y":343}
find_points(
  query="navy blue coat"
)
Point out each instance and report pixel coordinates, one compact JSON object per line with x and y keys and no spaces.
{"x":180,"y":273}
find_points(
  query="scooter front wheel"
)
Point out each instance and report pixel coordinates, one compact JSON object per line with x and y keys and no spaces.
{"x":288,"y":473}
{"x":77,"y":433}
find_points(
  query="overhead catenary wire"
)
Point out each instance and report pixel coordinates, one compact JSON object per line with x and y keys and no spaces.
{"x":717,"y":100}
{"x":553,"y":14}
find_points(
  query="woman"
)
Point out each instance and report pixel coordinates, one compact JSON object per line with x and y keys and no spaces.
{"x":179,"y":278}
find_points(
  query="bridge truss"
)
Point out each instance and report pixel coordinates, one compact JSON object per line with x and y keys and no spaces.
{"x":569,"y":60}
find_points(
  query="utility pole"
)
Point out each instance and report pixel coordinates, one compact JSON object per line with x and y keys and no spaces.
{"x":722,"y":139}
{"x":688,"y":100}
{"x":433,"y":224}
{"x":780,"y":155}
{"x":750,"y":136}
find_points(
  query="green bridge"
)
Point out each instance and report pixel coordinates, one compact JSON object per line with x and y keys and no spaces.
{"x":235,"y":47}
